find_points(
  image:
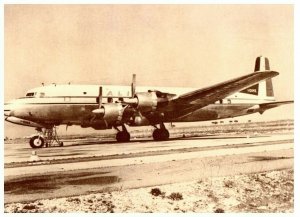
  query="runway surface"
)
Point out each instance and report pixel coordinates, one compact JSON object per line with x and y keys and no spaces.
{"x":81,"y":148}
{"x":84,"y":166}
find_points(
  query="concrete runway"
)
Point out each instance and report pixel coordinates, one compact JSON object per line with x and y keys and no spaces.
{"x":78,"y":167}
{"x":81,"y":148}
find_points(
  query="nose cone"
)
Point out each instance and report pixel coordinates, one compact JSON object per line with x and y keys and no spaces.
{"x":7,"y":109}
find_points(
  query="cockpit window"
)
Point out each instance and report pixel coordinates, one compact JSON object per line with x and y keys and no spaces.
{"x":31,"y":94}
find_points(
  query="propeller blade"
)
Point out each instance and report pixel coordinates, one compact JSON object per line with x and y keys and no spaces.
{"x":100,"y":97}
{"x":133,"y":85}
{"x":99,"y":111}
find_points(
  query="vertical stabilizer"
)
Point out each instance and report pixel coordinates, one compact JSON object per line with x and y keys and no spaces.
{"x":262,"y":64}
{"x":263,"y":89}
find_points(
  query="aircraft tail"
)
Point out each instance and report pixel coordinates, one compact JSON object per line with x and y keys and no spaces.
{"x":263,"y":89}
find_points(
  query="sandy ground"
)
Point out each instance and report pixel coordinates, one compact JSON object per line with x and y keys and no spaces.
{"x":262,"y":192}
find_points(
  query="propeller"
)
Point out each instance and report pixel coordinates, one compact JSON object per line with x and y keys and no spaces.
{"x":132,"y":100}
{"x":100,"y":97}
{"x":99,"y":111}
{"x":133,"y":85}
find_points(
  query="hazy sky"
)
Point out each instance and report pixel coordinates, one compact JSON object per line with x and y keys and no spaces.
{"x":165,"y":45}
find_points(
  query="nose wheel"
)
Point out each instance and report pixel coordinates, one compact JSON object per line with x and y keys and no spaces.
{"x":36,"y":142}
{"x":161,"y":134}
{"x":46,"y":137}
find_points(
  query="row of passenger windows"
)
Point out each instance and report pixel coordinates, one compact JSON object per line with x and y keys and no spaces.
{"x":41,"y":95}
{"x":221,"y":101}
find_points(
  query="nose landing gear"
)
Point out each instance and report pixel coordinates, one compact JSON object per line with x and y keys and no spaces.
{"x":45,"y":137}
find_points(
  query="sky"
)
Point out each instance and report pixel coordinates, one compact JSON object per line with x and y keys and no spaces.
{"x":165,"y":45}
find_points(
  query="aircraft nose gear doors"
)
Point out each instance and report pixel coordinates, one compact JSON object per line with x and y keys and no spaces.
{"x":122,"y":136}
{"x":160,"y":134}
{"x":45,"y":137}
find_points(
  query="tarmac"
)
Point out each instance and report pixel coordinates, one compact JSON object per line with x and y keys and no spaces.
{"x":87,"y":165}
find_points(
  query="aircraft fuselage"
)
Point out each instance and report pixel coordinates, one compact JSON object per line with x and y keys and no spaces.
{"x":73,"y":105}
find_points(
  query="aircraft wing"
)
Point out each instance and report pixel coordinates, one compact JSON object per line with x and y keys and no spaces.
{"x":203,"y":97}
{"x":266,"y":106}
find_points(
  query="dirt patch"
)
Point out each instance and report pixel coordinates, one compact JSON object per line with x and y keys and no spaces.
{"x":95,"y":180}
{"x":263,"y":192}
{"x":44,"y":183}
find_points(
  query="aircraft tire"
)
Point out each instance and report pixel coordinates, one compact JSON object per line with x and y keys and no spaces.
{"x":36,"y":142}
{"x":123,"y":136}
{"x":161,"y":134}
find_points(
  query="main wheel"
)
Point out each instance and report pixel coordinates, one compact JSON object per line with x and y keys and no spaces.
{"x":160,"y":134}
{"x":36,"y":142}
{"x":164,"y":134}
{"x":123,"y":136}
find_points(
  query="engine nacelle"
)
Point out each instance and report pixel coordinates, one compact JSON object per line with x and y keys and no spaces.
{"x":150,"y":101}
{"x":146,"y":101}
{"x":110,"y":112}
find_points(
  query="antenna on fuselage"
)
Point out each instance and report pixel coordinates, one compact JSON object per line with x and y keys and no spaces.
{"x":43,"y":84}
{"x":54,"y":84}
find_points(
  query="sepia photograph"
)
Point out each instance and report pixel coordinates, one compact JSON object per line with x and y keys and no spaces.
{"x":148,"y":108}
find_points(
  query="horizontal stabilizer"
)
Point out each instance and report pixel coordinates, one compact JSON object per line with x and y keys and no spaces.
{"x":266,"y":106}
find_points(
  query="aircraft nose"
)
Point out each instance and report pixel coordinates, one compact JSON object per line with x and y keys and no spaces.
{"x":7,"y":109}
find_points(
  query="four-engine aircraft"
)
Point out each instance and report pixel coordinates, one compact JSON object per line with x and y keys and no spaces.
{"x":107,"y":106}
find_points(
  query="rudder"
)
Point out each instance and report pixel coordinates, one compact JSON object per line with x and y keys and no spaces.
{"x":263,"y":89}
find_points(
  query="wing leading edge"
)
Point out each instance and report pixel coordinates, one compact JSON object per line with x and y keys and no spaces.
{"x":203,"y":97}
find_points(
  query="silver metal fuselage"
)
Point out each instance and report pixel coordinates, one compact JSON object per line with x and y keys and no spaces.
{"x":72,"y":105}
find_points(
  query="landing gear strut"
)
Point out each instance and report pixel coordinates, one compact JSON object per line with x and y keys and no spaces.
{"x":45,"y":137}
{"x":160,"y":134}
{"x":122,"y":135}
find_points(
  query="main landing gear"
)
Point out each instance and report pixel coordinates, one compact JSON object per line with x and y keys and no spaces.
{"x":160,"y":134}
{"x":122,"y":135}
{"x":45,"y":137}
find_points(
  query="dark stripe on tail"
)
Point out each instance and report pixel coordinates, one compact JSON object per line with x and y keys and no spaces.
{"x":269,"y":87}
{"x":261,"y":64}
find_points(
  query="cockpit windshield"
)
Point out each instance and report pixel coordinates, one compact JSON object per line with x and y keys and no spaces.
{"x":30,"y":94}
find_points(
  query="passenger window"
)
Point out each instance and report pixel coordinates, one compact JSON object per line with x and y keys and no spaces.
{"x":229,"y":101}
{"x":42,"y":95}
{"x":109,"y":99}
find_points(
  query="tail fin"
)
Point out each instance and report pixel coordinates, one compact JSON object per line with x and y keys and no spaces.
{"x":263,"y":89}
